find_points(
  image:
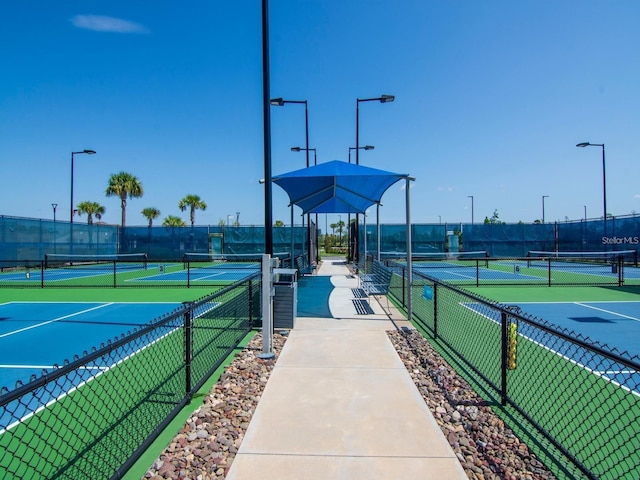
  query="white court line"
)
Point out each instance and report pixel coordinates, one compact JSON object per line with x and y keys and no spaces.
{"x":600,"y":374}
{"x":615,"y":372}
{"x":608,"y":311}
{"x":102,"y":370}
{"x":54,"y":320}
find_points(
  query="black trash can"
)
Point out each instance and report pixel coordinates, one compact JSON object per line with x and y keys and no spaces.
{"x":285,"y":300}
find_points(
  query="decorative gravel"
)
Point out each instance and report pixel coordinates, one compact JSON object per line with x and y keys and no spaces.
{"x":207,"y":444}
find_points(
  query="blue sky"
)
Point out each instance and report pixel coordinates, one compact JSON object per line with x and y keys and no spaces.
{"x":491,"y":99}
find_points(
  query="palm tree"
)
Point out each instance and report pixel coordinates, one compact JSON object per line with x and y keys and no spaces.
{"x":91,"y":209}
{"x":279,"y":223}
{"x":340,"y":227}
{"x":124,"y":185}
{"x":150,"y":213}
{"x":194,"y":203}
{"x":173,"y":221}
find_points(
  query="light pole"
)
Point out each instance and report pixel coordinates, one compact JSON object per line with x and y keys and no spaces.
{"x":382,"y":99}
{"x":279,"y":102}
{"x":471,"y":197}
{"x":88,"y":152}
{"x":228,"y":217}
{"x":300,"y":149}
{"x":349,"y":240}
{"x":315,"y":162}
{"x":55,"y":240}
{"x":585,"y":213}
{"x":366,"y":147}
{"x":237,"y":219}
{"x":543,"y":197}
{"x":604,"y":181}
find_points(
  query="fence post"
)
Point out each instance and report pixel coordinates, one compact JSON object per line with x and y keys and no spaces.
{"x":477,"y":272}
{"x":188,"y":344}
{"x":504,"y":357}
{"x":549,"y":271}
{"x":188,"y":273}
{"x":404,"y":303}
{"x":250,"y":304}
{"x":115,"y":263}
{"x":620,"y":271}
{"x":435,"y":311}
{"x":41,"y":273}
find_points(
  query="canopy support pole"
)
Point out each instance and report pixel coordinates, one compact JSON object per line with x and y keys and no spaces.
{"x":378,"y":229}
{"x":409,"y":253}
{"x":293,"y":232}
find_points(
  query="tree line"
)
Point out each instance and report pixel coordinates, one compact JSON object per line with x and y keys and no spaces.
{"x":125,"y":186}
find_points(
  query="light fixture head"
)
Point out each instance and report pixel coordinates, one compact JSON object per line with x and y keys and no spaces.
{"x":368,"y":147}
{"x":583,"y":144}
{"x":90,"y":152}
{"x":295,"y":149}
{"x":387,"y":98}
{"x":277,"y":102}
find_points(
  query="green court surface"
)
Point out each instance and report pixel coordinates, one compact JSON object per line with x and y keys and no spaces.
{"x":158,"y":387}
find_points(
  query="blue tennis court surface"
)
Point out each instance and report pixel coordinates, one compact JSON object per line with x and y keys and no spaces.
{"x":36,"y":335}
{"x":222,"y":272}
{"x":614,"y":325}
{"x":452,"y":272}
{"x":155,"y":272}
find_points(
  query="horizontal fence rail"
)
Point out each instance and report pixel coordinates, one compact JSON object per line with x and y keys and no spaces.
{"x":94,"y":415}
{"x":582,"y":396}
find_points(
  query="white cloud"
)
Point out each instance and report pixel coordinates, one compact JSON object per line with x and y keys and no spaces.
{"x":101,"y":23}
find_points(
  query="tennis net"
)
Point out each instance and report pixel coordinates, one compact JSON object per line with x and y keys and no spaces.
{"x":439,"y":259}
{"x":120,"y":260}
{"x":227,"y":260}
{"x":627,"y":257}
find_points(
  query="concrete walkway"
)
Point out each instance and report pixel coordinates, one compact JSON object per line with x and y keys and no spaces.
{"x":340,"y":404}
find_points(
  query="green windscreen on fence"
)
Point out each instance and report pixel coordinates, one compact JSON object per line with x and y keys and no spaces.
{"x":31,"y":239}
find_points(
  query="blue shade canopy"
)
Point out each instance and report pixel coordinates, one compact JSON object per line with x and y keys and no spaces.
{"x":336,"y":187}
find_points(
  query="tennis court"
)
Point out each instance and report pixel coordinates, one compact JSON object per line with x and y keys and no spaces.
{"x":613,"y":324}
{"x":63,"y":274}
{"x":122,"y":274}
{"x":616,"y":324}
{"x":39,"y":335}
{"x":526,"y":272}
{"x":565,"y":356}
{"x":91,"y":372}
{"x":223,"y":272}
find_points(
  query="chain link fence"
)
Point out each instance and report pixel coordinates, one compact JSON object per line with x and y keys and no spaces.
{"x":92,"y":416}
{"x":119,"y":271}
{"x":582,"y":396}
{"x":27,"y":238}
{"x":610,"y":269}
